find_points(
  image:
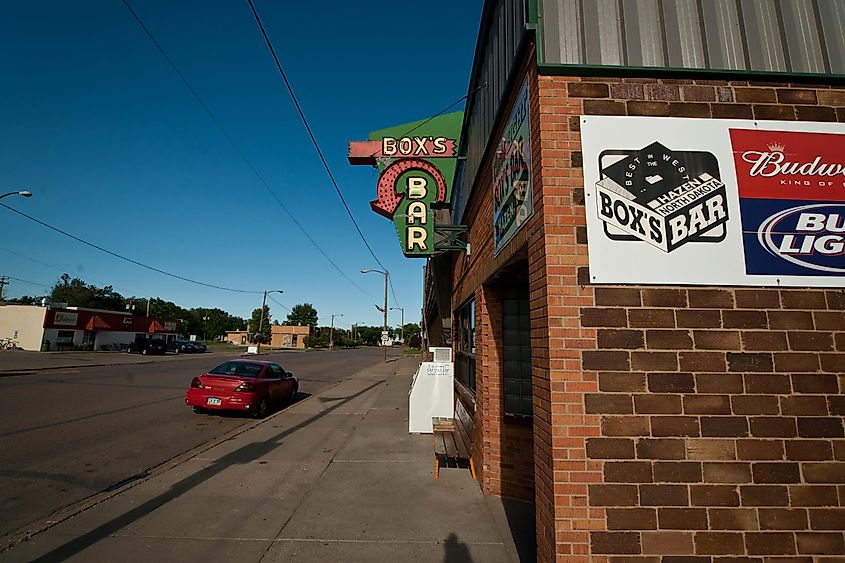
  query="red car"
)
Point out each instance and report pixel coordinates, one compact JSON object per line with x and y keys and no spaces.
{"x":242,"y":385}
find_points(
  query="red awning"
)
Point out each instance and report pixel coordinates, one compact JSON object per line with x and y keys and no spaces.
{"x":97,"y":323}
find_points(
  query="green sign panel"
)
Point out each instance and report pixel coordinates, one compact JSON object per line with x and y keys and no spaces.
{"x":417,"y":165}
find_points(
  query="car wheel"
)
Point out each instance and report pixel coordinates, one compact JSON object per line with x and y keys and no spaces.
{"x":144,"y":352}
{"x":176,"y":350}
{"x":263,"y":408}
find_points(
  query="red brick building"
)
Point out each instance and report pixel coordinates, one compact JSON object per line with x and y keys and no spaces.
{"x":678,"y":422}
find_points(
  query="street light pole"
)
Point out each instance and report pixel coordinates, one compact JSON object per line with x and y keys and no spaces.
{"x":261,"y":318}
{"x":23,"y":193}
{"x":384,"y":330}
{"x":331,"y":332}
{"x":402,"y":326}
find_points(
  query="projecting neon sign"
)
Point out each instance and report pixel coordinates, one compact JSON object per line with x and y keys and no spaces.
{"x":409,"y":186}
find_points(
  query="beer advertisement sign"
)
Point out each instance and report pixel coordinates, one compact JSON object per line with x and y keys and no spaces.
{"x":512,"y":174}
{"x":701,"y":201}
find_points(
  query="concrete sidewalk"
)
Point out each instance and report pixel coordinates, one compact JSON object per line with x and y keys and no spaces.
{"x":335,"y":477}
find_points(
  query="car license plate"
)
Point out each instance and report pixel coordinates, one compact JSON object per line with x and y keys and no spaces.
{"x":213,"y":401}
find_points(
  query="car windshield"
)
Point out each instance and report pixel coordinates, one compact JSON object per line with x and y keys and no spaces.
{"x":241,"y":369}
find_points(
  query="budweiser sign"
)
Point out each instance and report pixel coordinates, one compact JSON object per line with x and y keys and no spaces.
{"x":774,"y":163}
{"x":791,"y":201}
{"x":789,"y":164}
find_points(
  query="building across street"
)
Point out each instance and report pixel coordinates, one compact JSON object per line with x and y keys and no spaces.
{"x":45,"y":328}
{"x":281,"y":336}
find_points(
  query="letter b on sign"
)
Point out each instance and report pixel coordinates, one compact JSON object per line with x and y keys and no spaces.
{"x":417,"y":187}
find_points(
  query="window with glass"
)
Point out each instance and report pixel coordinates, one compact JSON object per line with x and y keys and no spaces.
{"x":516,"y":353}
{"x":465,"y":357}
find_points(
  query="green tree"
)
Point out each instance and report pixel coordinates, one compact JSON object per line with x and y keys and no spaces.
{"x":411,"y":330}
{"x":76,"y":292}
{"x":303,"y":314}
{"x":200,"y":321}
{"x":369,"y":335}
{"x":24,"y":300}
{"x":256,"y":321}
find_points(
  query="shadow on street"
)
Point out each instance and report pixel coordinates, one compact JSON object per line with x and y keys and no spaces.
{"x":244,"y":455}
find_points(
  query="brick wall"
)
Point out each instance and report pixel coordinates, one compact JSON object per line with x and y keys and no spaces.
{"x":503,"y":449}
{"x":679,"y":424}
{"x":721,"y":419}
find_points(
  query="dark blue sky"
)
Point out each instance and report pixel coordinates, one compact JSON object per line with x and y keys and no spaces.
{"x":117,"y":151}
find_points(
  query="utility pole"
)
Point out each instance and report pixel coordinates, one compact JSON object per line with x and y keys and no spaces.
{"x":331,"y":332}
{"x":4,"y":281}
{"x":261,"y":318}
{"x":260,"y":324}
{"x":384,"y":329}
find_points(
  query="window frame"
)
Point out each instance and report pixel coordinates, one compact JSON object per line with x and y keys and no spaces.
{"x":465,"y":345}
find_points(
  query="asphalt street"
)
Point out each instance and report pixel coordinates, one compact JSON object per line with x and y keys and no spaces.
{"x":70,"y":433}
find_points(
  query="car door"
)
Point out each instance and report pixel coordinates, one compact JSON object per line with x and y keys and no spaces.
{"x":276,"y":382}
{"x":286,"y":383}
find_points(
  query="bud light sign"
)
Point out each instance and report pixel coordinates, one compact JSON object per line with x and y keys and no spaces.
{"x":792,"y":200}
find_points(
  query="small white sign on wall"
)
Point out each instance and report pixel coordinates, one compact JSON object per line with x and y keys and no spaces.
{"x":65,"y":319}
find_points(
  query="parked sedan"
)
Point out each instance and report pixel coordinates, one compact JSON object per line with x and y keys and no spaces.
{"x":186,"y":346}
{"x":148,"y":346}
{"x":250,"y":386}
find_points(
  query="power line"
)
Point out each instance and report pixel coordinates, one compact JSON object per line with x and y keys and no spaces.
{"x":235,"y":145}
{"x":310,"y":132}
{"x":130,"y":260}
{"x":279,"y":304}
{"x":52,"y":267}
{"x":29,"y":282}
{"x":439,"y":113}
{"x":66,"y":270}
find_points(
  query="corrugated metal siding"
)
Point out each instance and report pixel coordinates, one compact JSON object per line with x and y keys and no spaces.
{"x":643,"y":32}
{"x":763,"y":33}
{"x":723,"y":35}
{"x":684,"y":50}
{"x":801,"y":36}
{"x":832,"y":16}
{"x":604,"y":45}
{"x":494,"y":62}
{"x":801,"y":28}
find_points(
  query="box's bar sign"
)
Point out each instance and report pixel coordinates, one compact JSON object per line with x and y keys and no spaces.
{"x":672,"y":219}
{"x":415,"y":178}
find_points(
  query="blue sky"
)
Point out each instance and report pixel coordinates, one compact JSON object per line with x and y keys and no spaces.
{"x":117,"y":151}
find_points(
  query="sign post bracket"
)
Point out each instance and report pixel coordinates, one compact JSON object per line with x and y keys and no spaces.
{"x":451,"y":237}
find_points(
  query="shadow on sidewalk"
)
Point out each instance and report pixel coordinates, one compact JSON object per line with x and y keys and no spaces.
{"x":243,"y":455}
{"x":521,"y":521}
{"x":456,"y":552}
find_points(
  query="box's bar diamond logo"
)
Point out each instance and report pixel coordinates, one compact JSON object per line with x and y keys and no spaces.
{"x":662,"y":197}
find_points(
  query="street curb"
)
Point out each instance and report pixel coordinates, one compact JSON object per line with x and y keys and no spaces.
{"x":63,"y":514}
{"x":32,"y":370}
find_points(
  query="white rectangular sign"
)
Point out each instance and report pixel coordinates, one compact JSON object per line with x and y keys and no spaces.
{"x":714,"y":202}
{"x":65,"y":319}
